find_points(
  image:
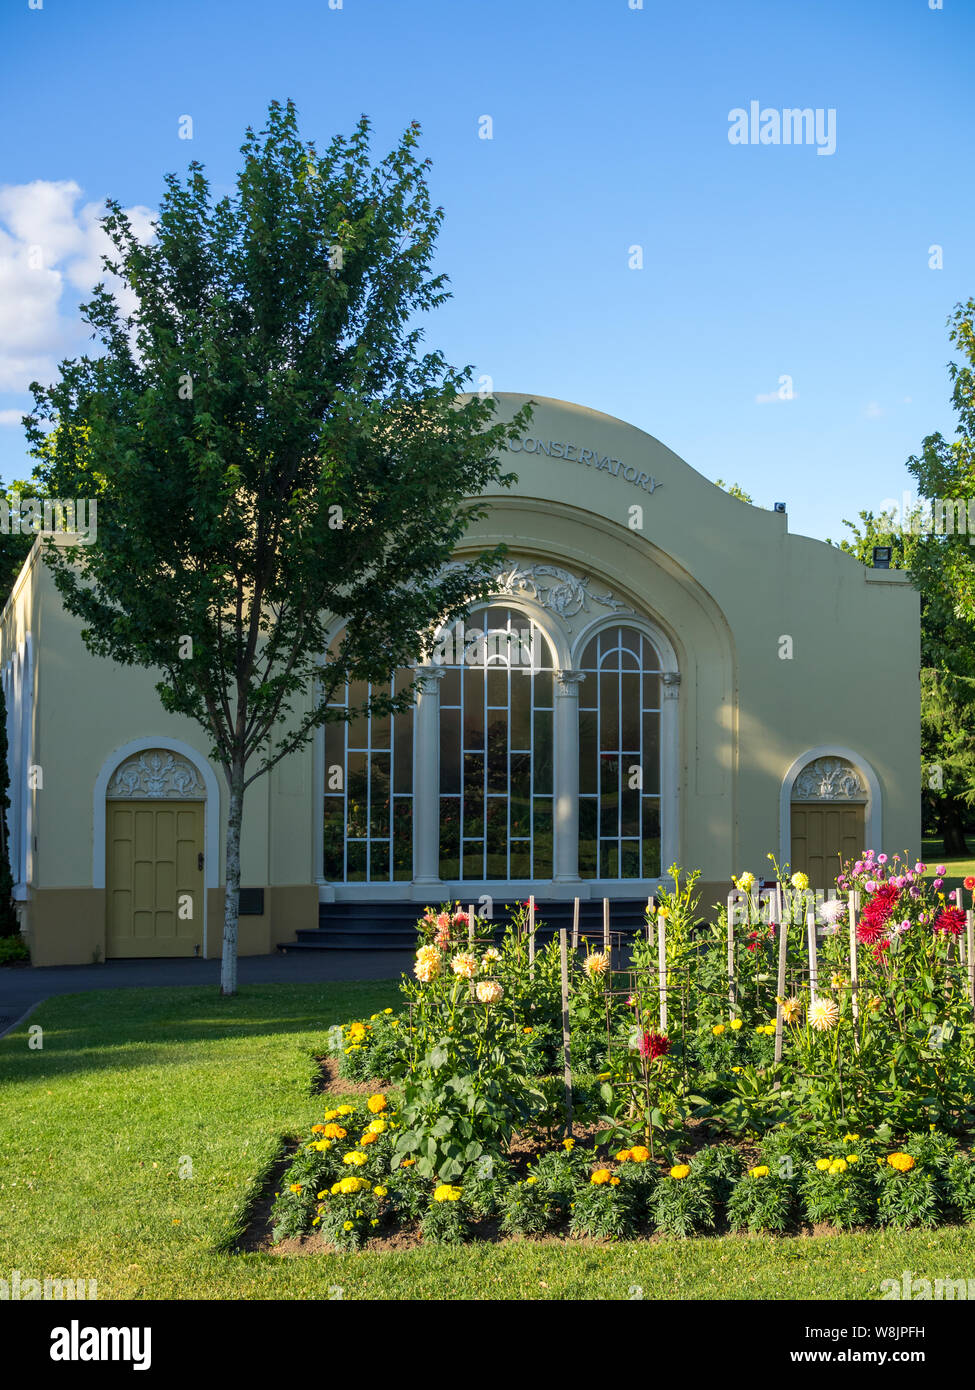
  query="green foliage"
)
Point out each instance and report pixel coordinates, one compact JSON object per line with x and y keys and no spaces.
{"x":721,"y":1166}
{"x":906,"y":1199}
{"x":959,"y":1187}
{"x":603,"y":1211}
{"x":447,"y":1222}
{"x":532,"y":1208}
{"x":684,"y":1206}
{"x":761,"y":1202}
{"x":13,"y":948}
{"x":844,"y":1198}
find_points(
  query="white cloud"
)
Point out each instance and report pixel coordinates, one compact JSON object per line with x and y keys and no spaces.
{"x":873,"y":411}
{"x":11,"y":417}
{"x":50,"y":259}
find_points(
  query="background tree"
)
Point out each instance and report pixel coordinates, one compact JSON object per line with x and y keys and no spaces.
{"x":269,"y":446}
{"x":942,"y":568}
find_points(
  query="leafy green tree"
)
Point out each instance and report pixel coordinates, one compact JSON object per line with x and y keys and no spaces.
{"x":942,"y":566}
{"x":734,"y":490}
{"x":269,"y":446}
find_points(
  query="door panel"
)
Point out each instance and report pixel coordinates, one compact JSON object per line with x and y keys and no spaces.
{"x":154,"y":885}
{"x":821,"y":833}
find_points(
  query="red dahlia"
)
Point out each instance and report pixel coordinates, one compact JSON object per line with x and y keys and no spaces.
{"x":950,"y":919}
{"x":654,"y":1045}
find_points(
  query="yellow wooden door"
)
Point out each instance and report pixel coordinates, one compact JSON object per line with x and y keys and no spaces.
{"x":822,"y":832}
{"x":154,"y":878}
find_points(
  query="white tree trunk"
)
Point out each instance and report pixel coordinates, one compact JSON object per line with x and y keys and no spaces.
{"x":228,"y":966}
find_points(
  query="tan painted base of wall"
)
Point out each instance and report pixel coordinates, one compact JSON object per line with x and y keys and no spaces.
{"x":66,"y":926}
{"x":286,"y":908}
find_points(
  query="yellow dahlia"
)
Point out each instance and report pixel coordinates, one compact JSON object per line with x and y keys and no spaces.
{"x":596,"y":963}
{"x":823,"y":1014}
{"x":428,"y":964}
{"x":791,"y":1008}
{"x":464,"y":965}
{"x":490,"y":992}
{"x":800,"y":882}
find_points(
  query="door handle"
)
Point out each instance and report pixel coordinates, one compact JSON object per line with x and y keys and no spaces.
{"x":199,"y":861}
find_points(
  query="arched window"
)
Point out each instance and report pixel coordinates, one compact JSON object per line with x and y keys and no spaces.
{"x":496,"y":750}
{"x":368,"y":830}
{"x":619,"y":757}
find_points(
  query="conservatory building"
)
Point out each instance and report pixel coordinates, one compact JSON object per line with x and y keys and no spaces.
{"x":662,"y":674}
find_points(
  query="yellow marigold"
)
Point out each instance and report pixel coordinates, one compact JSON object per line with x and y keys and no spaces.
{"x":318,"y":1129}
{"x":640,"y":1154}
{"x":377,"y":1102}
{"x":330,"y":1114}
{"x":875,"y":1003}
{"x":823,"y":1014}
{"x":529,"y":1181}
{"x":623,"y":1155}
{"x":823,"y":1164}
{"x":735,"y":1024}
{"x":347,"y":1226}
{"x":853,"y":1158}
{"x":368,"y":1138}
{"x":838,"y":1165}
{"x":295,"y":1187}
{"x":601,"y":1175}
{"x":680,"y":1170}
{"x":336,"y":1187}
{"x":614,"y":1182}
{"x":407,"y":1162}
{"x":349,"y":1185}
{"x":322,"y":1146}
{"x":568,"y":1144}
{"x":850,"y":1138}
{"x":446,"y":1193}
{"x":357,"y":1032}
{"x":902,"y":1162}
{"x":381,"y":1191}
{"x":344,"y":1110}
{"x":596,"y":963}
{"x":334,"y":1131}
{"x":377,"y":1126}
{"x":387,"y":1011}
{"x":737,"y":1070}
{"x":718,"y":1029}
{"x":355,"y":1158}
{"x":760,"y":1172}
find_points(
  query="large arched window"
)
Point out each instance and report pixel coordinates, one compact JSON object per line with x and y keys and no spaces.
{"x":368,"y":830}
{"x":496,"y":750}
{"x":619,"y":757}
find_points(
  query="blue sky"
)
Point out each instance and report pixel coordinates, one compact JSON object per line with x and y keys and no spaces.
{"x":610,"y":130}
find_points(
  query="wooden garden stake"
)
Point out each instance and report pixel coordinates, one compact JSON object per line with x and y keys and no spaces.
{"x":606,"y":925}
{"x":531,"y":935}
{"x":470,"y":922}
{"x":649,"y":920}
{"x":567,"y":1068}
{"x":731,"y":949}
{"x":854,"y":971}
{"x":662,"y":968}
{"x":780,"y":977}
{"x":813,"y":959}
{"x":575,"y":923}
{"x":970,"y":918}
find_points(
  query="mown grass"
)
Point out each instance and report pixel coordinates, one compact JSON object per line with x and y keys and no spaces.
{"x":132,"y":1085}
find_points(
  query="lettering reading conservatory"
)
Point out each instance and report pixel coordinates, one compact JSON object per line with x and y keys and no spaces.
{"x":623,"y":701}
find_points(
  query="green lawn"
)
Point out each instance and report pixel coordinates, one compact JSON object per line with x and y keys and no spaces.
{"x":958,"y":869}
{"x":132,"y":1083}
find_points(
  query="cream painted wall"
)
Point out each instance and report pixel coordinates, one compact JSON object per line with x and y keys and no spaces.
{"x":725,"y":581}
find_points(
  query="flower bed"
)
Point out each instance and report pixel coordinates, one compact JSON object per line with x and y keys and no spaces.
{"x":700,"y":1098}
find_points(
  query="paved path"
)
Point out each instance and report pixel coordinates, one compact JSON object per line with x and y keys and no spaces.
{"x":20,"y":989}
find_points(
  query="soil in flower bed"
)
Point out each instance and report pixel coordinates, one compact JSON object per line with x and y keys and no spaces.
{"x":328,"y":1081}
